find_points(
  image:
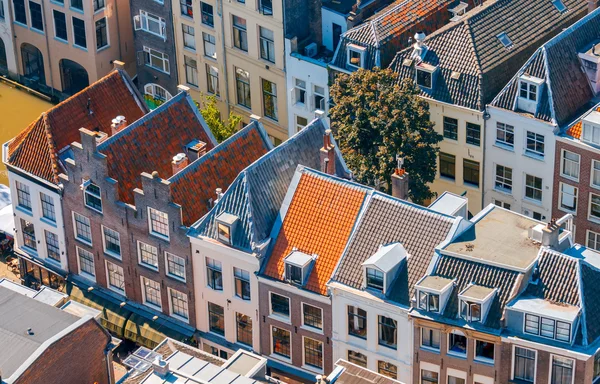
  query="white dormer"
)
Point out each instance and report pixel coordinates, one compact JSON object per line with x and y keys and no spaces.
{"x":591,"y":128}
{"x":458,"y":11}
{"x":226,"y":225}
{"x":475,"y":302}
{"x":380,"y":269}
{"x":356,"y":55}
{"x":425,"y":75}
{"x":530,"y":90}
{"x":432,"y":293}
{"x":297,"y":267}
{"x":590,"y":61}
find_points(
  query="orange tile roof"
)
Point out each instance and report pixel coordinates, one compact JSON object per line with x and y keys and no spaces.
{"x":319,"y":221}
{"x":575,"y":130}
{"x":35,"y":149}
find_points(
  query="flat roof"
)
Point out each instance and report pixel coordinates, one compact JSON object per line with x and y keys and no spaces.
{"x":244,"y":363}
{"x":448,"y":203}
{"x":543,"y":307}
{"x":499,"y":237}
{"x":50,"y":296}
{"x":437,"y":283}
{"x":16,"y":287}
{"x":80,"y":310}
{"x":477,"y":292}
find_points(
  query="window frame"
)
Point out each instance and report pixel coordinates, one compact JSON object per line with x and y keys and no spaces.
{"x":23,"y":195}
{"x":470,"y":137}
{"x":528,"y":90}
{"x":528,"y":360}
{"x":508,"y":131}
{"x":211,"y":40}
{"x":272,"y":342}
{"x":47,"y":205}
{"x":592,"y":170}
{"x":237,"y":328}
{"x":84,"y":240}
{"x":89,"y":195}
{"x":105,"y":241}
{"x":575,"y":198}
{"x":74,"y":29}
{"x":591,"y":204}
{"x":533,"y":188}
{"x":172,"y":300}
{"x":305,"y":363}
{"x":168,"y":268}
{"x":272,"y":96}
{"x":431,"y":346}
{"x":190,"y":65}
{"x":352,"y":48}
{"x":266,"y":45}
{"x":243,"y":77}
{"x":505,"y":184}
{"x":145,"y":293}
{"x":277,"y":313}
{"x":596,"y":240}
{"x":540,"y":329}
{"x":356,"y":316}
{"x":449,"y":344}
{"x":484,"y":359}
{"x":141,"y":258}
{"x":207,"y":18}
{"x":563,"y":159}
{"x":307,"y":324}
{"x":91,"y":262}
{"x":40,"y":14}
{"x":145,"y":17}
{"x":240,"y":33}
{"x":450,"y":128}
{"x":150,"y":53}
{"x":536,"y":142}
{"x":52,"y":246}
{"x":386,"y":371}
{"x":552,"y":366}
{"x":471,"y":171}
{"x":29,"y":238}
{"x":109,"y":284}
{"x":20,"y":12}
{"x":151,"y":228}
{"x":185,"y":34}
{"x":212,"y":78}
{"x":447,"y":157}
{"x":56,"y":12}
{"x":242,"y":281}
{"x":106,"y":34}
{"x":393,"y":325}
{"x":220,"y":315}
{"x":372,"y":278}
{"x":419,"y":73}
{"x":214,"y":274}
{"x":186,"y":8}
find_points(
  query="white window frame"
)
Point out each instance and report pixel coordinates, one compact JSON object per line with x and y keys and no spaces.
{"x":144,"y":299}
{"x":424,"y":69}
{"x":140,"y":22}
{"x":310,"y":327}
{"x":278,"y":356}
{"x":214,"y":45}
{"x":86,"y":184}
{"x":154,"y":233}
{"x":299,"y":127}
{"x":513,"y":361}
{"x":356,"y":49}
{"x":323,"y":100}
{"x":592,"y":169}
{"x":555,"y":327}
{"x":452,"y":353}
{"x":139,"y":253}
{"x":596,"y":237}
{"x":108,"y":284}
{"x":536,"y":140}
{"x":184,"y":39}
{"x":528,"y":91}
{"x":428,"y":295}
{"x":480,"y":358}
{"x":151,"y":89}
{"x":470,"y":303}
{"x":427,"y":347}
{"x":84,"y":241}
{"x":505,"y":128}
{"x":171,"y":312}
{"x":165,"y":59}
{"x":584,"y":130}
{"x":575,"y":197}
{"x":297,"y":90}
{"x":562,"y":167}
{"x":541,"y":189}
{"x":590,"y":203}
{"x":573,"y":368}
{"x":106,"y":251}
{"x":82,"y":272}
{"x":311,"y":367}
{"x":504,"y":179}
{"x":167,"y":270}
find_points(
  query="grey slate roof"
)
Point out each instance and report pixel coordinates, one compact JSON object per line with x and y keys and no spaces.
{"x":567,"y":90}
{"x":353,"y":374}
{"x":18,"y":313}
{"x":590,"y":278}
{"x":471,"y":48}
{"x":558,"y":280}
{"x":255,"y":196}
{"x":387,"y":220}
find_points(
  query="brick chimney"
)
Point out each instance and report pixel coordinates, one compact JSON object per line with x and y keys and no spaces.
{"x":117,"y":64}
{"x":550,"y":234}
{"x":196,"y":150}
{"x":592,"y":5}
{"x":179,"y":162}
{"x":118,"y":123}
{"x":400,"y":180}
{"x":328,"y":154}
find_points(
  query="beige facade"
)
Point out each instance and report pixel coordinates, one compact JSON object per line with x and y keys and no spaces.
{"x":62,"y":58}
{"x":213,"y":44}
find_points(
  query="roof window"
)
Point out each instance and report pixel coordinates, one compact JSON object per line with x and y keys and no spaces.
{"x":425,"y":75}
{"x":558,"y":4}
{"x":226,"y":225}
{"x":474,"y":303}
{"x":505,"y":40}
{"x":297,"y":267}
{"x":380,"y":269}
{"x":356,"y":56}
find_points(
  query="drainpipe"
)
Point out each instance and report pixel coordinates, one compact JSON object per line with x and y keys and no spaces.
{"x":108,"y":363}
{"x":13,"y":37}
{"x":118,"y":29}
{"x":226,"y":77}
{"x":48,"y":48}
{"x":486,"y":117}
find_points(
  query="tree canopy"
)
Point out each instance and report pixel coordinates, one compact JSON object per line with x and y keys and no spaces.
{"x":211,"y":114}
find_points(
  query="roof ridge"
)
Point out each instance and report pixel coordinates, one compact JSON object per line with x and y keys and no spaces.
{"x":51,"y":146}
{"x":576,"y":25}
{"x":333,"y":178}
{"x":396,"y":200}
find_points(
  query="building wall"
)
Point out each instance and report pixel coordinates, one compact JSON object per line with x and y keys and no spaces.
{"x":294,"y":325}
{"x":78,"y":357}
{"x":6,"y":35}
{"x":328,"y":18}
{"x":521,"y":162}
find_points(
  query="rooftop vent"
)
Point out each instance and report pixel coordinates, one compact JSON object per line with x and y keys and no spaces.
{"x":118,"y":123}
{"x":180,"y":161}
{"x":419,"y":47}
{"x":458,"y":11}
{"x":590,"y":60}
{"x":311,"y":50}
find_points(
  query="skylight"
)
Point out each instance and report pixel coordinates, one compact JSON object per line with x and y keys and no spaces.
{"x":558,"y":4}
{"x":504,"y":39}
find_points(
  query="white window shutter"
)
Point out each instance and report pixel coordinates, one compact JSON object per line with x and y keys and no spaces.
{"x":137,"y":22}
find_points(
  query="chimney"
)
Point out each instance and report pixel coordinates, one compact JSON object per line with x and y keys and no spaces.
{"x":550,"y":234}
{"x":419,"y":48}
{"x":183,"y":89}
{"x":179,"y":162}
{"x":117,"y":64}
{"x":400,"y":180}
{"x":118,"y":123}
{"x":592,"y":5}
{"x":196,"y":149}
{"x":219,"y":193}
{"x":327,"y":157}
{"x":161,"y":367}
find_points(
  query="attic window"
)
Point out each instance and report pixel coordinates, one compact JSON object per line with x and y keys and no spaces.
{"x":297,"y":265}
{"x":374,"y":279}
{"x":356,"y":56}
{"x":224,"y":233}
{"x":429,"y":302}
{"x":293,"y":273}
{"x":93,"y":197}
{"x":226,"y":224}
{"x":425,"y":75}
{"x":558,"y":4}
{"x":591,"y":128}
{"x":505,"y":40}
{"x":470,"y":311}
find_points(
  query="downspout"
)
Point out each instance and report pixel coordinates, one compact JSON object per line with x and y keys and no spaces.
{"x":48,"y":47}
{"x":486,"y":117}
{"x":118,"y":28}
{"x":13,"y":37}
{"x":226,"y":77}
{"x":108,"y":362}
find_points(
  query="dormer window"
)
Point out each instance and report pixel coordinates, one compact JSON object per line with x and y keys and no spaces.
{"x":528,"y":90}
{"x":425,"y":75}
{"x":293,"y":273}
{"x":93,"y":198}
{"x":432,"y":292}
{"x":356,"y":56}
{"x":297,"y":267}
{"x":224,"y":233}
{"x":474,"y":302}
{"x":429,"y":302}
{"x":458,"y":11}
{"x":381,"y":268}
{"x":529,"y":93}
{"x":226,"y":224}
{"x":546,"y":327}
{"x":591,"y":128}
{"x":374,"y":279}
{"x":470,"y":311}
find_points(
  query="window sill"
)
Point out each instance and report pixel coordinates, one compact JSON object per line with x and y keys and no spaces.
{"x":281,"y":357}
{"x":312,"y":369}
{"x":484,"y":360}
{"x":24,"y":210}
{"x":210,"y":58}
{"x":50,"y":222}
{"x":285,"y":320}
{"x":207,"y":25}
{"x":38,"y":31}
{"x":84,"y":241}
{"x":266,"y":61}
{"x":357,"y":336}
{"x":158,"y":69}
{"x":57,"y":3}
{"x":535,"y":202}
{"x":187,"y":17}
{"x":241,"y":299}
{"x":102,"y":48}
{"x":574,"y":212}
{"x":80,"y":47}
{"x":457,"y":355}
{"x":97,"y":11}
{"x":61,"y":40}
{"x":430,"y":349}
{"x":534,"y":156}
{"x":149,"y":266}
{"x":575,"y":179}
{"x":506,"y":147}
{"x":448,"y":179}
{"x":471,"y":185}
{"x":180,"y":318}
{"x":311,"y":329}
{"x":153,"y":306}
{"x":176,"y":278}
{"x":450,"y":140}
{"x":92,"y":209}
{"x":159,"y":236}
{"x":113,"y":255}
{"x":594,"y":219}
{"x":473,"y":145}
{"x":190,"y":49}
{"x":388,"y":346}
{"x":215,"y":289}
{"x":30,"y":250}
{"x":80,"y":11}
{"x":116,"y":290}
{"x":87,"y":276}
{"x":503,"y":191}
{"x":20,"y":24}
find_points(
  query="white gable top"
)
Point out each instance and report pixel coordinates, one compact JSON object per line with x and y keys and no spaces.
{"x":593,"y":118}
{"x":387,"y":257}
{"x":299,"y":258}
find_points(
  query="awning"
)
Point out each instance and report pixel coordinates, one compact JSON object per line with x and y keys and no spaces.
{"x":113,"y":317}
{"x":149,"y":333}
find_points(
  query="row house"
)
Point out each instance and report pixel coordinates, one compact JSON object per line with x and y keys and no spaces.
{"x":529,"y":116}
{"x":8,"y":55}
{"x":230,"y":243}
{"x":33,"y":162}
{"x":462,"y":66}
{"x":129,"y":200}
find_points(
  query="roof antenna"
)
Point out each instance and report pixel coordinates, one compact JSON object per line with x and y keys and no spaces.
{"x":89,"y":106}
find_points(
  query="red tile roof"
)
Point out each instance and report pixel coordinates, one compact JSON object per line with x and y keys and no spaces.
{"x":35,"y":149}
{"x":150,"y":143}
{"x":575,"y":130}
{"x":195,"y":185}
{"x":319,"y":221}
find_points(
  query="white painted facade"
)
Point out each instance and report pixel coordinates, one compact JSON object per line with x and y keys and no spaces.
{"x":330,"y":17}
{"x":226,"y":298}
{"x":522,"y":161}
{"x":6,"y":35}
{"x":402,"y":357}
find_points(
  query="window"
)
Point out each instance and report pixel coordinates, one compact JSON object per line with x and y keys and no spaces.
{"x":152,"y":24}
{"x":593,"y":240}
{"x":2,"y":15}
{"x":112,"y":242}
{"x":214,"y":274}
{"x":430,"y":338}
{"x":505,"y":40}
{"x":191,"y":71}
{"x":157,"y":92}
{"x":596,"y":366}
{"x":457,"y":343}
{"x":473,"y":134}
{"x":151,"y":290}
{"x":387,"y":369}
{"x":301,"y":122}
{"x":23,"y":196}
{"x":189,"y":37}
{"x":429,"y":301}
{"x":35,"y":12}
{"x":266,"y":7}
{"x":187,"y":8}
{"x":157,"y":60}
{"x":98,"y":5}
{"x":357,"y":358}
{"x":86,"y":262}
{"x":93,"y":197}
{"x":558,"y":4}
{"x":484,"y":351}
{"x":568,"y":197}
{"x":470,"y":311}
{"x":456,"y":380}
{"x":159,"y":222}
{"x":83,"y":231}
{"x":244,"y":329}
{"x":267,"y":45}
{"x":532,"y":324}
{"x":175,"y":266}
{"x":300,"y":91}
{"x":240,"y":35}
{"x":562,"y":370}
{"x":591,"y":133}
{"x":312,"y":316}
{"x":269,"y":90}
{"x":424,"y":78}
{"x":280,"y":305}
{"x":357,"y":322}
{"x":595,"y":180}
{"x":549,"y":328}
{"x":179,"y":304}
{"x":52,"y":246}
{"x":224,"y":233}
{"x":116,"y":279}
{"x":313,"y":353}
{"x":505,"y":134}
{"x":148,"y":255}
{"x":387,"y":332}
{"x":242,"y":283}
{"x":524,"y":368}
{"x":79,"y":33}
{"x":594,"y":206}
{"x":20,"y":13}
{"x":471,"y":172}
{"x":528,"y":91}
{"x":60,"y":25}
{"x":281,"y":342}
{"x":28,"y":234}
{"x":450,"y":128}
{"x":429,"y":377}
{"x":533,"y":187}
{"x":503,"y":178}
{"x":207,"y":14}
{"x":212,"y":80}
{"x":242,"y":85}
{"x":216,"y":318}
{"x":209,"y":42}
{"x":77,"y":4}
{"x":101,"y":34}
{"x":47,"y":207}
{"x":318,"y":98}
{"x":447,"y":165}
{"x":535,"y":143}
{"x":374,"y":279}
{"x":501,"y":204}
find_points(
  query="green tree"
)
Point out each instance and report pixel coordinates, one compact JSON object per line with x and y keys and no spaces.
{"x":376,"y":117}
{"x":211,"y":114}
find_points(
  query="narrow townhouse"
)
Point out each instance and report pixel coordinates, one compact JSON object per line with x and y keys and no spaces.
{"x":532,"y":115}
{"x":316,"y":220}
{"x":130,"y":197}
{"x":462,"y":66}
{"x":229,"y":244}
{"x":34,"y":164}
{"x":8,"y":55}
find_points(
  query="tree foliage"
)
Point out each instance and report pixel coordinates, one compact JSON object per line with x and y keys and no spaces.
{"x":211,"y":114}
{"x":376,"y":117}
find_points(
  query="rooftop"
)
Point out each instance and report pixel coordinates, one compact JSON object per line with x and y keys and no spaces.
{"x":348,"y":373}
{"x":575,"y":130}
{"x":477,"y":292}
{"x":436,"y":283}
